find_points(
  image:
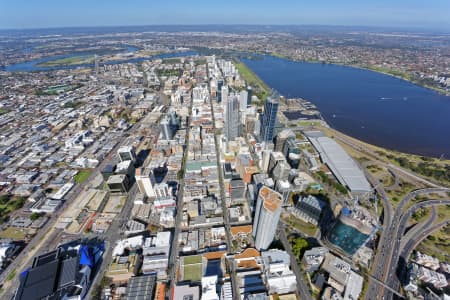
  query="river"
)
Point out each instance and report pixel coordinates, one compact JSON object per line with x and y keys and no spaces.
{"x":373,"y":107}
{"x":33,"y":65}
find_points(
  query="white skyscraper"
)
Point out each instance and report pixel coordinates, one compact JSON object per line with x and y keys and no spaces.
{"x":267,"y":215}
{"x":145,"y":181}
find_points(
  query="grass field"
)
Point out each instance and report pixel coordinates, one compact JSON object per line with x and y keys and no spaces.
{"x":192,"y":272}
{"x":261,"y":89}
{"x":12,"y":233}
{"x":9,"y":204}
{"x":82,"y":176}
{"x":306,"y":228}
{"x":69,"y":61}
{"x":437,"y":244}
{"x":195,"y":259}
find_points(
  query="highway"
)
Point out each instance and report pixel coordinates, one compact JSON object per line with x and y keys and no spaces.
{"x":305,"y":294}
{"x":419,"y":227}
{"x":382,"y":266}
{"x":389,"y":277}
{"x":413,"y":243}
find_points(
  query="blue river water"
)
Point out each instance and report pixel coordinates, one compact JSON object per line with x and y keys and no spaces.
{"x":376,"y":108}
{"x":33,"y":65}
{"x":346,"y":237}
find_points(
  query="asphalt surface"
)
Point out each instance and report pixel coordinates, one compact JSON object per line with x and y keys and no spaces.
{"x":302,"y":288}
{"x":180,"y":204}
{"x":112,"y":235}
{"x":390,"y":277}
{"x":387,"y":252}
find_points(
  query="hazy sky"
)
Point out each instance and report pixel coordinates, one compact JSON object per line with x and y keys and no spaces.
{"x":63,"y":13}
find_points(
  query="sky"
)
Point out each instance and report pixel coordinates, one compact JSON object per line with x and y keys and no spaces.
{"x":428,"y":14}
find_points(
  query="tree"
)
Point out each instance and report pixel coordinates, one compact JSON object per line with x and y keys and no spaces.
{"x":299,"y":245}
{"x":34,"y":216}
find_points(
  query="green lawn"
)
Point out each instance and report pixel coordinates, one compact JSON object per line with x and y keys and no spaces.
{"x":11,"y":275}
{"x":307,"y":123}
{"x":12,"y":233}
{"x":306,"y":228}
{"x":261,"y":89}
{"x":192,"y":272}
{"x":9,"y":204}
{"x":74,"y":60}
{"x":195,"y":259}
{"x":82,"y":176}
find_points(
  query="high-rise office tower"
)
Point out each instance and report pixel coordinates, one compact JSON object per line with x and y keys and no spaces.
{"x":224,"y":94}
{"x":249,"y":95}
{"x":275,"y":157}
{"x":145,"y":180}
{"x":267,"y":215}
{"x":281,"y":138}
{"x":167,"y":131}
{"x":219,"y":89}
{"x":232,"y":118}
{"x":269,"y":118}
{"x":243,"y":100}
{"x":126,"y":153}
{"x":96,"y":65}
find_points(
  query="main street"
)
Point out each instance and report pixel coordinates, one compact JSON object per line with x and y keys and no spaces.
{"x":180,"y":204}
{"x":226,"y":216}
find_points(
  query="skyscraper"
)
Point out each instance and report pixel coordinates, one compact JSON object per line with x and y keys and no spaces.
{"x":243,"y":100}
{"x":282,"y":137}
{"x":269,"y":118}
{"x":96,"y":65}
{"x":224,"y":94}
{"x":232,"y":118}
{"x":219,"y":89}
{"x":167,"y":132}
{"x":249,"y":95}
{"x":267,"y":215}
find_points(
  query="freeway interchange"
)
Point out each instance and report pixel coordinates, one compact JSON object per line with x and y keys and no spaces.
{"x":393,"y":243}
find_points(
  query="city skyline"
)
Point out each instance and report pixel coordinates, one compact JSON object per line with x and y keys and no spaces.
{"x":50,"y":14}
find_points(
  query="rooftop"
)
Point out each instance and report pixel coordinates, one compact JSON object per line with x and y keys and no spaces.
{"x":341,"y":164}
{"x":272,"y":199}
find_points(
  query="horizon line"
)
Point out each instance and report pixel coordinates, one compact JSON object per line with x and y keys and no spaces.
{"x":398,"y":27}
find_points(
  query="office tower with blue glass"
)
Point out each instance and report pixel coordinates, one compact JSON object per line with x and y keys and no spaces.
{"x":269,"y":119}
{"x":219,"y":89}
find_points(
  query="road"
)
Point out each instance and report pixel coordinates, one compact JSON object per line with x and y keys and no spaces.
{"x":302,"y":288}
{"x":389,"y":276}
{"x":411,"y":244}
{"x":386,"y":249}
{"x":39,"y":244}
{"x":419,"y":227}
{"x":346,"y":140}
{"x":180,"y":204}
{"x":226,"y":216}
{"x":112,"y":235}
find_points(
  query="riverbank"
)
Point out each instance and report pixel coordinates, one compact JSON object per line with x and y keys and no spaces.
{"x":390,"y":72}
{"x":260,"y":88}
{"x":69,"y":61}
